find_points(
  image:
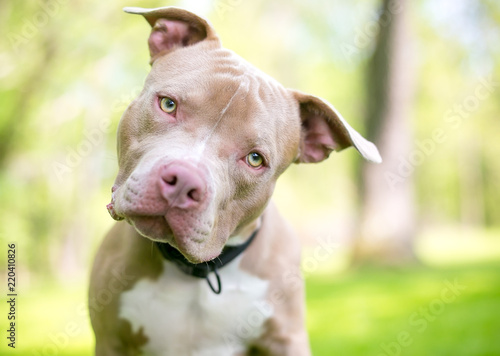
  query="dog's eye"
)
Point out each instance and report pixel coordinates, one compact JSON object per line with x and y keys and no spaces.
{"x":254,"y":160}
{"x":168,"y":105}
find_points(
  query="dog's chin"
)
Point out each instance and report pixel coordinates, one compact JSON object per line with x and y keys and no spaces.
{"x":193,"y":248}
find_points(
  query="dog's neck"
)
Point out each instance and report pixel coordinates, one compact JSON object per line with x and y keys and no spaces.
{"x":203,"y":269}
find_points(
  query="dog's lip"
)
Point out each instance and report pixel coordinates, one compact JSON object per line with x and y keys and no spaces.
{"x":185,"y":245}
{"x":113,"y":213}
{"x":141,"y":222}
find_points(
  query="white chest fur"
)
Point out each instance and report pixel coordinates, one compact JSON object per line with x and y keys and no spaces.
{"x":181,"y":316}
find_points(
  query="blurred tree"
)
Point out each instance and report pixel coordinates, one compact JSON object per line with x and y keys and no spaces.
{"x":387,"y":228}
{"x":32,"y":78}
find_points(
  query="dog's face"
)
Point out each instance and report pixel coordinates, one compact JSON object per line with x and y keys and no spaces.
{"x":202,"y":146}
{"x":205,"y":120}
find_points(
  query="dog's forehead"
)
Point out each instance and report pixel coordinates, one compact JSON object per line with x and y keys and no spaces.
{"x":198,"y":73}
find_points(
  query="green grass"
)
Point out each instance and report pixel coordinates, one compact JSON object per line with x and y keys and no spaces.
{"x":349,"y":313}
{"x":51,"y":321}
{"x":361,"y":312}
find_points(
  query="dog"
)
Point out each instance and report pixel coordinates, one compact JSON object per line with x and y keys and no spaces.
{"x":200,"y":262}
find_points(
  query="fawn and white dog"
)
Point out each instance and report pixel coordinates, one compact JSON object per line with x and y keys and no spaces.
{"x":203,"y":264}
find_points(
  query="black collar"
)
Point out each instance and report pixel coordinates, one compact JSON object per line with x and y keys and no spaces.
{"x":202,"y":270}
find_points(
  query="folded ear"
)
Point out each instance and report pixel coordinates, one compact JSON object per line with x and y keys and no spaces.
{"x":172,"y":28}
{"x":324,"y":130}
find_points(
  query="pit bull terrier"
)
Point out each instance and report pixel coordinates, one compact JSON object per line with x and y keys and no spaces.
{"x":202,"y":264}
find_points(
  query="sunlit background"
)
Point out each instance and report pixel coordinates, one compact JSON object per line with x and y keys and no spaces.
{"x":401,"y":258}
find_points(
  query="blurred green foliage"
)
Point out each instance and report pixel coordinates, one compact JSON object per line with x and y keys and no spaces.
{"x":68,"y":69}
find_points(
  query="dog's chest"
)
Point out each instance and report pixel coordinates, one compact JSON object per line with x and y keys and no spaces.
{"x":180,"y":315}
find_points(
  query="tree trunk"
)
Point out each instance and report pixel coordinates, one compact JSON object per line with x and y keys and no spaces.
{"x":470,"y":178}
{"x":387,"y":228}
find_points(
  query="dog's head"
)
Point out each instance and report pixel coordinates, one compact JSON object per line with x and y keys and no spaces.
{"x":201,"y":147}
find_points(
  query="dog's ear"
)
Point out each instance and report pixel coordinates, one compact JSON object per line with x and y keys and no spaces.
{"x":324,"y":130}
{"x":172,"y":28}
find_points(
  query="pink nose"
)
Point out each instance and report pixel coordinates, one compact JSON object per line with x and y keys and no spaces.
{"x":182,"y":185}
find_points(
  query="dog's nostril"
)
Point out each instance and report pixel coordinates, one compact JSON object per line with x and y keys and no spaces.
{"x":194,"y":194}
{"x":172,"y":180}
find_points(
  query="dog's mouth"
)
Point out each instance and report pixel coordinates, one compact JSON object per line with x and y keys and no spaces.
{"x":192,"y":230}
{"x":194,"y":243}
{"x":154,"y":228}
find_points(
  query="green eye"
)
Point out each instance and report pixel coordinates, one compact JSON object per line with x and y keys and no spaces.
{"x":168,"y":105}
{"x":255,"y":160}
